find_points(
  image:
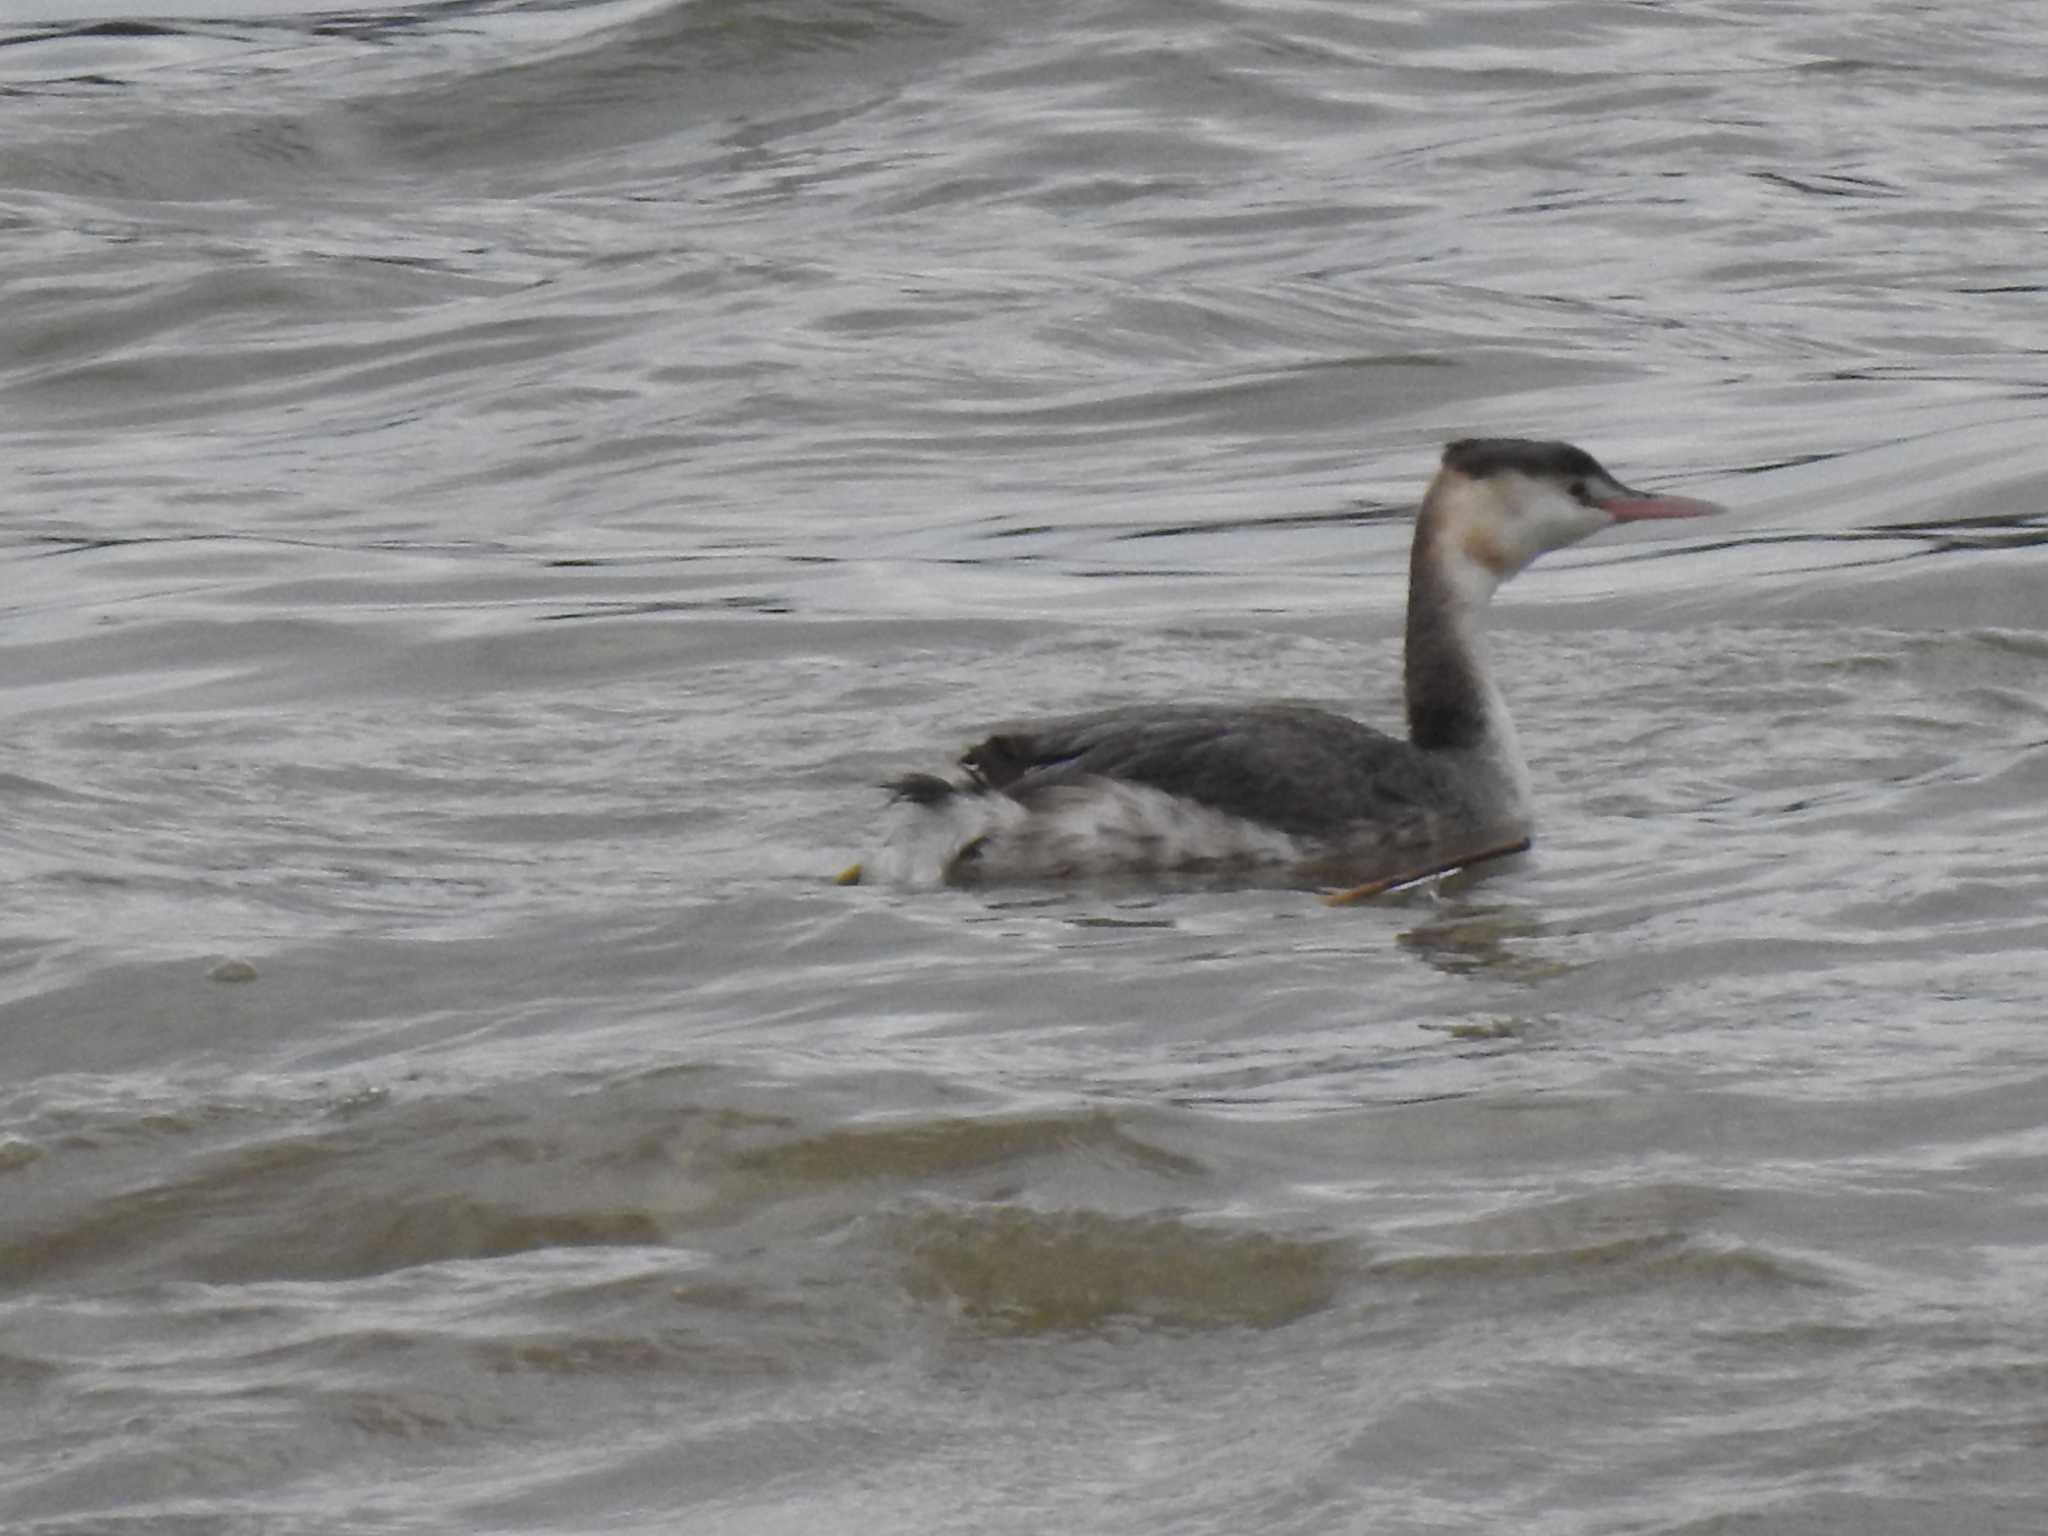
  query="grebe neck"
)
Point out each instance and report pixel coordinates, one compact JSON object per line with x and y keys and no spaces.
{"x":1453,"y":703}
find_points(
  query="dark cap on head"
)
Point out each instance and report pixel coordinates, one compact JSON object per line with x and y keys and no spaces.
{"x":1480,"y":457}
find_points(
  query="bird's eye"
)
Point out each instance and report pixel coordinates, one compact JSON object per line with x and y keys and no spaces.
{"x":1578,"y":490}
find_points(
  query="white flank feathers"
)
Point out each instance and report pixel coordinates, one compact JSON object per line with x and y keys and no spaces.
{"x":1100,"y":827}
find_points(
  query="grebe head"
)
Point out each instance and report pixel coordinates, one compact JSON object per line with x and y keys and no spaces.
{"x":1499,"y":502}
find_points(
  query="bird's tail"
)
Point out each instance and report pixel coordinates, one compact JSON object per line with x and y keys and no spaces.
{"x":934,"y":826}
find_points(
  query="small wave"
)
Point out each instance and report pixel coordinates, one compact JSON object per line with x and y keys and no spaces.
{"x":1012,"y":1270}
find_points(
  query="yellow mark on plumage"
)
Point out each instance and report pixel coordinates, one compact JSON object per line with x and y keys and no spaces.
{"x":1480,"y":544}
{"x":1372,"y":888}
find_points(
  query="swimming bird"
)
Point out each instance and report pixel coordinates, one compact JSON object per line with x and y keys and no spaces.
{"x":1287,"y":789}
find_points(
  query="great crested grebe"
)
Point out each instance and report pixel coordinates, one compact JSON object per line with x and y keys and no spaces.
{"x":1285,"y":788}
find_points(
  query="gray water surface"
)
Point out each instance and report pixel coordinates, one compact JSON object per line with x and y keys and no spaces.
{"x":489,"y":491}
